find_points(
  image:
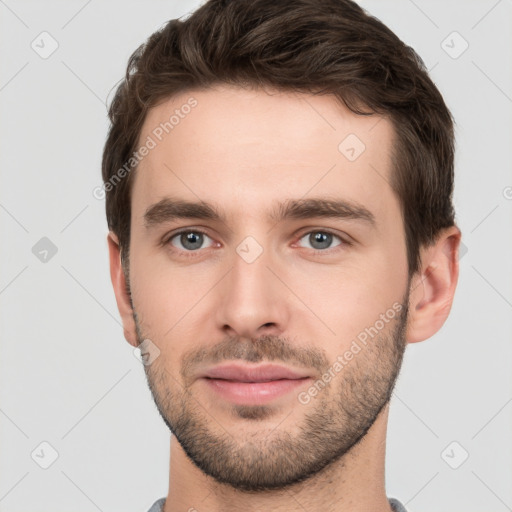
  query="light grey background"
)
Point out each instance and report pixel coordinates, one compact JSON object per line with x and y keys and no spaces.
{"x":68,"y":377}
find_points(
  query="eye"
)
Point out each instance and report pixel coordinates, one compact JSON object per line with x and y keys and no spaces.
{"x":189,"y":240}
{"x":320,"y":240}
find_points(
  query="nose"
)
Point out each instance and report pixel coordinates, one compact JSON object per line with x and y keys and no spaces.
{"x":252,"y":300}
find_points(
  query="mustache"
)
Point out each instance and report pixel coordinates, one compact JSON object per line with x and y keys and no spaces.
{"x":266,"y":348}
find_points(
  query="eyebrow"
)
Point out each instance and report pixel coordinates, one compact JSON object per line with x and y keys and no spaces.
{"x":168,"y":209}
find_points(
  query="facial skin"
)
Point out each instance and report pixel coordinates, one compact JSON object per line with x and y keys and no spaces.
{"x":244,"y":152}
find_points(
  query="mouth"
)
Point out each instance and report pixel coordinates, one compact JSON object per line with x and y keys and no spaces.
{"x":245,"y":385}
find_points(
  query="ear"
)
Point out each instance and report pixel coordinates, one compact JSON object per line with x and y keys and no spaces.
{"x":120,"y":289}
{"x":433,"y":286}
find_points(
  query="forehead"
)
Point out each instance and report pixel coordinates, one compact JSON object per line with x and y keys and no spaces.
{"x":245,"y":149}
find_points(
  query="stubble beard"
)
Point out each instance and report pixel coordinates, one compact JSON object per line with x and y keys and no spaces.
{"x":270,"y":457}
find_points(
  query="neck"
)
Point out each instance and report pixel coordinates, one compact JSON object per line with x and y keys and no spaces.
{"x":354,"y":483}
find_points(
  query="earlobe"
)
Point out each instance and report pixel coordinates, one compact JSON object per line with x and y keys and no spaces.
{"x":120,"y":290}
{"x":433,"y":287}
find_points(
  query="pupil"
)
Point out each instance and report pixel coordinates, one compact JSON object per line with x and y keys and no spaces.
{"x":191,"y":240}
{"x":320,"y":240}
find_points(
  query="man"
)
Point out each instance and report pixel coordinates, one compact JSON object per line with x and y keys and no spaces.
{"x":279,"y":179}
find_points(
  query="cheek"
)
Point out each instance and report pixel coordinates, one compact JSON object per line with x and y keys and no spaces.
{"x":348,"y":298}
{"x":166,"y":296}
{"x":155,"y":295}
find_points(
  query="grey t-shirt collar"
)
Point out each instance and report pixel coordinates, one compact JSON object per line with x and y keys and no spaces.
{"x":395,"y":505}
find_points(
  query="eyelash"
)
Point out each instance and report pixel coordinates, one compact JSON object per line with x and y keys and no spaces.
{"x":191,"y":254}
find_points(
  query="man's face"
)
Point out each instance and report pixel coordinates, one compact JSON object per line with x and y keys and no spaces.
{"x":270,"y":280}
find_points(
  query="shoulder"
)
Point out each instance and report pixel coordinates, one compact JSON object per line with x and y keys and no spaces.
{"x":157,"y":506}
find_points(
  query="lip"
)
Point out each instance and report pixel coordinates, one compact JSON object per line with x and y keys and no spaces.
{"x":246,"y":385}
{"x":260,"y":373}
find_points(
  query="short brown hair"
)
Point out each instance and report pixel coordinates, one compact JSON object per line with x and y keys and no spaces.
{"x":311,"y":46}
